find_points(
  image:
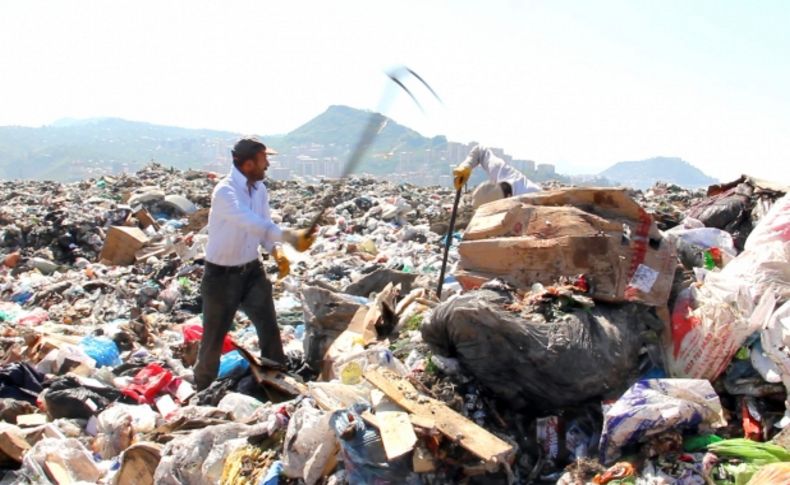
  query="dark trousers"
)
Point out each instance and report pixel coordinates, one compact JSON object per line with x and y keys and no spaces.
{"x":224,"y":290}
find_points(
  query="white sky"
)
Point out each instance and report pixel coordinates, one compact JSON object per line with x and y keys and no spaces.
{"x":578,"y":83}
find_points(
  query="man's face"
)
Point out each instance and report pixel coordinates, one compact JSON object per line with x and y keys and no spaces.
{"x":256,"y":168}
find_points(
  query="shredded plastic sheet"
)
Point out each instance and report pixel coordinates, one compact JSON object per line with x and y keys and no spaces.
{"x":653,"y":406}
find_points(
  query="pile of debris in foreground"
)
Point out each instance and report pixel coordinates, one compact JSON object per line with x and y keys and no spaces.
{"x":584,"y":336}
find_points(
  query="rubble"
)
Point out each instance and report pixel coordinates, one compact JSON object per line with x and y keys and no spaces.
{"x":557,"y":370}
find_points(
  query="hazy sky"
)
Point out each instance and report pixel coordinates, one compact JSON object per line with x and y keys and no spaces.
{"x":581,"y":84}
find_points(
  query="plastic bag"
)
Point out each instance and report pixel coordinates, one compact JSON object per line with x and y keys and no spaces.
{"x":706,"y":237}
{"x":653,"y":406}
{"x":103,"y":350}
{"x":80,"y":363}
{"x":194,"y":333}
{"x":309,"y":443}
{"x":148,"y":383}
{"x":232,"y":364}
{"x":709,"y":324}
{"x":775,"y":226}
{"x":69,"y":453}
{"x":775,"y":340}
{"x":69,"y":397}
{"x":240,"y":406}
{"x":763,"y":269}
{"x":183,"y":458}
{"x":363,"y":452}
{"x":115,"y":432}
{"x":543,"y":362}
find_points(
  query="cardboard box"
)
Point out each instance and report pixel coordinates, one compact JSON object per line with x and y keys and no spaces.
{"x":600,"y":233}
{"x":121,"y":245}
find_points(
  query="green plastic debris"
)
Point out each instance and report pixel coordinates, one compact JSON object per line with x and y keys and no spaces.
{"x":700,"y":442}
{"x":709,"y":263}
{"x":750,"y":451}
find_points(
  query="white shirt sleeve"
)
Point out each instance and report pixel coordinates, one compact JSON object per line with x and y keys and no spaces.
{"x":228,"y":207}
{"x":499,"y":171}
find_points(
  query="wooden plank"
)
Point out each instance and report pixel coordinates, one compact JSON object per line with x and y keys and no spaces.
{"x":469,"y":435}
{"x":397,"y":435}
{"x":36,"y":419}
{"x":56,"y":471}
{"x":272,"y":377}
{"x":13,"y":445}
{"x":278,"y":380}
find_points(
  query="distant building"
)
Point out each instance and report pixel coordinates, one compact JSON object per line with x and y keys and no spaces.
{"x":546,"y":170}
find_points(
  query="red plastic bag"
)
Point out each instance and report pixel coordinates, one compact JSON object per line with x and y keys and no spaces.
{"x":148,"y":383}
{"x":194,"y":333}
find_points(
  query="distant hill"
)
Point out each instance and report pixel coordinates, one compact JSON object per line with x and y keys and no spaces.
{"x":643,"y":174}
{"x":75,"y":149}
{"x":339,"y":128}
{"x":72,"y":149}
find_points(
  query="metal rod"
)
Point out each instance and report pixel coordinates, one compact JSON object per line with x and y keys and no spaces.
{"x":448,"y":242}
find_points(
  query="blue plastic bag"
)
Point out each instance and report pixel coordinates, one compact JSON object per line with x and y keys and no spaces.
{"x":102,"y":350}
{"x":232,"y":364}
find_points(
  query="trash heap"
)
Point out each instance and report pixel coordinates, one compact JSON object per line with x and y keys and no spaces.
{"x":584,"y":336}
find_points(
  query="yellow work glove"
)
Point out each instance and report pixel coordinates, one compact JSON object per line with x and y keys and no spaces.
{"x":283,"y":265}
{"x":461,"y":175}
{"x":301,"y":240}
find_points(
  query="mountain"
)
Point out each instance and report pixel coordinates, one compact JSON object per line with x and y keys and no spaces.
{"x":71,"y":149}
{"x":74,"y":149}
{"x":643,"y":174}
{"x":336,"y":132}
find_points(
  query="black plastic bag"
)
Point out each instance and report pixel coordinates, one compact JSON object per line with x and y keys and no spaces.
{"x":531,"y":361}
{"x":67,"y":397}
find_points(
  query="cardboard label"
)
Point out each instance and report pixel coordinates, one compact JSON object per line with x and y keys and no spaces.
{"x":644,"y":278}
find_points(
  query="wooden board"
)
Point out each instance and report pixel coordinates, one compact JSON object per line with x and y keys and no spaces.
{"x":397,"y":435}
{"x":31,"y":419}
{"x":13,"y":445}
{"x":271,"y":377}
{"x":469,"y":435}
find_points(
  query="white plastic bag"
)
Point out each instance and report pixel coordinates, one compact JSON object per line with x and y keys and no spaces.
{"x":240,"y":406}
{"x":653,"y":406}
{"x":775,"y":339}
{"x":309,"y":443}
{"x":775,"y":226}
{"x":709,"y":324}
{"x":705,"y":237}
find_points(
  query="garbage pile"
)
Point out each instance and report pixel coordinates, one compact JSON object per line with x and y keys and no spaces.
{"x":584,"y":336}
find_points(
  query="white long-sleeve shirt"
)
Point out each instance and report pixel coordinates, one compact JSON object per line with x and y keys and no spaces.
{"x":239,"y":221}
{"x":499,"y":171}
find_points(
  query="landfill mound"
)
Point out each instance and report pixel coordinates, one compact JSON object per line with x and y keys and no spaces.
{"x":648,"y":344}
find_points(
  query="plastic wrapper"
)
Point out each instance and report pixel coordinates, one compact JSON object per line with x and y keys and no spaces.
{"x":653,"y":406}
